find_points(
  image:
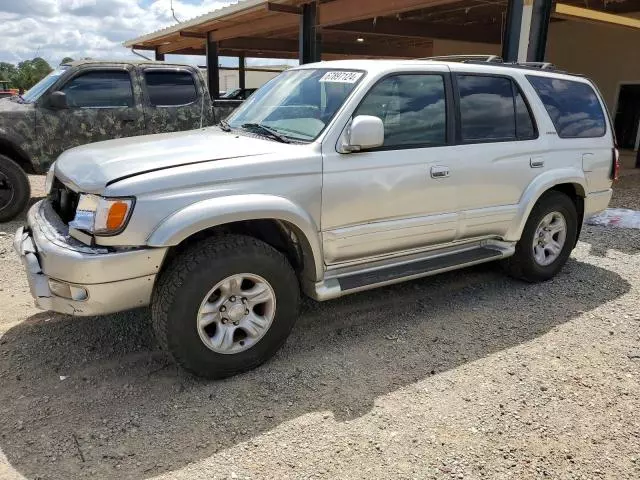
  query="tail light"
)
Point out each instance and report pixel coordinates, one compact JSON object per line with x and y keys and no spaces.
{"x":615,"y":164}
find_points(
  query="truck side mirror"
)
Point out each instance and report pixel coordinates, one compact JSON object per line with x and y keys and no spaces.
{"x":58,"y":100}
{"x":365,"y":132}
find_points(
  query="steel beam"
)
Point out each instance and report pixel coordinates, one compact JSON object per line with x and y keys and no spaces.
{"x":309,"y":48}
{"x":541,"y":16}
{"x":213,"y":68}
{"x":242,"y":78}
{"x":526,"y":30}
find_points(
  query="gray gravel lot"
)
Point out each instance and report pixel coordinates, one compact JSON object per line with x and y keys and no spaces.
{"x":468,"y":375}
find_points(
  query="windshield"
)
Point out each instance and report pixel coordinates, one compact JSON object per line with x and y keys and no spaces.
{"x":39,"y":88}
{"x":298,"y":104}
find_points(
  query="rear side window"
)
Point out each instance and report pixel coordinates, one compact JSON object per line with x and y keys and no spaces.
{"x":573,"y":107}
{"x":100,"y":89}
{"x":493,"y":109}
{"x":170,"y":88}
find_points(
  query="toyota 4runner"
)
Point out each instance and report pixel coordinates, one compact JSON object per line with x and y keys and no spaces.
{"x":333,"y":178}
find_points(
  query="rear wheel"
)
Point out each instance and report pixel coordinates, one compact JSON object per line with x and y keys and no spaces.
{"x":547,"y":239}
{"x":15,"y":189}
{"x":225,"y":305}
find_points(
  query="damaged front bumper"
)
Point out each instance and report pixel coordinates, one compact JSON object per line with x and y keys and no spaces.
{"x":69,"y":277}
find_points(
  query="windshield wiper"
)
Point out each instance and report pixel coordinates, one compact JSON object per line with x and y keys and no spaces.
{"x":224,"y":125}
{"x":268,"y":131}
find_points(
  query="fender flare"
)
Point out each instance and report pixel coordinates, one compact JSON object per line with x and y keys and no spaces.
{"x":223,"y":210}
{"x":536,"y":189}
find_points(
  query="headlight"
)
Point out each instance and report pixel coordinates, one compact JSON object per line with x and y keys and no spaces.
{"x":102,"y":216}
{"x":48,"y":181}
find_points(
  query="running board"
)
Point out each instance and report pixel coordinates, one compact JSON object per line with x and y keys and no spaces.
{"x":407,"y":268}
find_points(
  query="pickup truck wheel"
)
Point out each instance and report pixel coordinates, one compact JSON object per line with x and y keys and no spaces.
{"x":225,"y":305}
{"x":547,"y":239}
{"x":15,"y":189}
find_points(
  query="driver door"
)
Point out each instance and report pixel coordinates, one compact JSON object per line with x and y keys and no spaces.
{"x":100,"y":106}
{"x":392,"y":198}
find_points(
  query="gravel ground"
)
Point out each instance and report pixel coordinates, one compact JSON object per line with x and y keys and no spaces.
{"x":467,"y":375}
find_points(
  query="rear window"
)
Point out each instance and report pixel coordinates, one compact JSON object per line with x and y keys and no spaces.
{"x":573,"y":107}
{"x":170,"y":88}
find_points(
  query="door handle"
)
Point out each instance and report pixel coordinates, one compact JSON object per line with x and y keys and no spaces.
{"x":438,"y":171}
{"x":536,"y":162}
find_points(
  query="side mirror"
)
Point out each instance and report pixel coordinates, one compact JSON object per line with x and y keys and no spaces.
{"x":58,"y":100}
{"x":365,"y":132}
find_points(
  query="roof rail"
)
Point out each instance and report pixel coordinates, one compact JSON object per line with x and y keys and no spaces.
{"x":540,"y":65}
{"x":466,"y":58}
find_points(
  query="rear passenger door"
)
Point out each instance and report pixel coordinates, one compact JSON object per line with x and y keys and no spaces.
{"x":498,"y":152}
{"x":173,"y":99}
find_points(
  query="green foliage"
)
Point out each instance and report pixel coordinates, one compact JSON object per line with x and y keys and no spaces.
{"x":66,"y":60}
{"x":7,"y":71}
{"x":26,"y":74}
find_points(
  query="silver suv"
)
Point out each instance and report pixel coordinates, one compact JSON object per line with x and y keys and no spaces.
{"x":333,"y":178}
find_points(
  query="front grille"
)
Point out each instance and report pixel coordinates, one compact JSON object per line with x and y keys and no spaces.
{"x":63,"y":200}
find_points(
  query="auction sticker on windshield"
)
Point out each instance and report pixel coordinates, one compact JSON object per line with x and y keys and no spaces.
{"x":341,"y":77}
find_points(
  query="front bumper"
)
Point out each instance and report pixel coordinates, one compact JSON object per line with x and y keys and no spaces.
{"x":100,"y":280}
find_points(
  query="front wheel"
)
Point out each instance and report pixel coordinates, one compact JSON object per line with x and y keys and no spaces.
{"x":225,"y":305}
{"x":547,"y":239}
{"x":15,"y":189}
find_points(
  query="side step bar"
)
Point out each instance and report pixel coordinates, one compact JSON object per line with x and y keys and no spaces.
{"x":408,"y":268}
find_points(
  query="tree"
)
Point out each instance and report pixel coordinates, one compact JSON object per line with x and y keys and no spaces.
{"x":66,"y":60}
{"x":30,"y":72}
{"x":7,"y":71}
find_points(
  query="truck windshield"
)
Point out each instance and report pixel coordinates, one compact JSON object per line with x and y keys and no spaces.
{"x":39,"y":88}
{"x":298,"y":104}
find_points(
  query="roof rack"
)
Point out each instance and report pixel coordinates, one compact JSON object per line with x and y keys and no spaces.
{"x":540,"y":65}
{"x":482,"y":59}
{"x":466,"y":58}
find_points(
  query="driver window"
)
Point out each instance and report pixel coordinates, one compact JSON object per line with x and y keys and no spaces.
{"x":100,"y":89}
{"x":412,"y":109}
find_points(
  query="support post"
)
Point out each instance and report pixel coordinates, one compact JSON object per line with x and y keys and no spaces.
{"x":541,"y":16}
{"x":213,"y":68}
{"x":159,"y":56}
{"x":526,"y":30}
{"x":242,"y":78}
{"x":309,"y":46}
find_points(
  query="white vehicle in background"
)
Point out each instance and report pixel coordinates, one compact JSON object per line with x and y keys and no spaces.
{"x":333,"y":178}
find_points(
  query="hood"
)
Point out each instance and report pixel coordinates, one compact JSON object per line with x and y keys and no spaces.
{"x":90,"y":168}
{"x":12,"y":112}
{"x":9,"y":105}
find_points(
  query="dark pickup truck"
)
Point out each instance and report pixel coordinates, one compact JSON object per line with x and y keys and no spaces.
{"x":90,"y":101}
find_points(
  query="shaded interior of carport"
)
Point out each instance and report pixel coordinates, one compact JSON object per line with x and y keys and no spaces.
{"x":333,"y":29}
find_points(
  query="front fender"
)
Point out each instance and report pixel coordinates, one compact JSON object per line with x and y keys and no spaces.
{"x":11,"y":141}
{"x":222,"y":210}
{"x":536,"y":189}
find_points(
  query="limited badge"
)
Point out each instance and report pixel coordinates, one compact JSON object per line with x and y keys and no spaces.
{"x":341,"y":77}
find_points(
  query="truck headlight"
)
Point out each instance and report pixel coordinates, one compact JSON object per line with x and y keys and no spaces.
{"x":102,"y":216}
{"x":48,"y":181}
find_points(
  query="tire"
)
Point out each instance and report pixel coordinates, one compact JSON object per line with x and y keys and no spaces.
{"x":186,"y":285}
{"x":16,"y":189}
{"x":523,"y":264}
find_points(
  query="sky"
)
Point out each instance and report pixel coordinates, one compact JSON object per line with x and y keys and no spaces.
{"x":54,"y":29}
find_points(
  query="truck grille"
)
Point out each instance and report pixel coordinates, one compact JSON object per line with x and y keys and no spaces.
{"x":63,"y":200}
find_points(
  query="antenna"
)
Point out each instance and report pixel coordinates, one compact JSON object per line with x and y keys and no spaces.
{"x":174,"y":13}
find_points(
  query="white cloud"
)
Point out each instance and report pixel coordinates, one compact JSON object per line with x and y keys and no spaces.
{"x":54,"y":29}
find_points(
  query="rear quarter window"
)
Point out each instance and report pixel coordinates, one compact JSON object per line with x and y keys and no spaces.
{"x":573,"y":107}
